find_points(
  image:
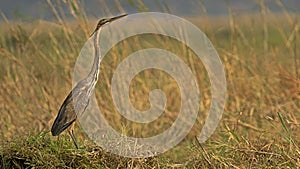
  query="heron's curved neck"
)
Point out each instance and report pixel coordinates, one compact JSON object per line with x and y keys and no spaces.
{"x":93,"y":75}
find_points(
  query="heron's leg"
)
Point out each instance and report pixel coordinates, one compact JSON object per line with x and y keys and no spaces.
{"x":71,"y":132}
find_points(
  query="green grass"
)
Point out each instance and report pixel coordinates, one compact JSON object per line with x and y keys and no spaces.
{"x":228,"y":149}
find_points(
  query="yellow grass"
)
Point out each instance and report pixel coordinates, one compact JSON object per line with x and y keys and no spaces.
{"x":261,"y":122}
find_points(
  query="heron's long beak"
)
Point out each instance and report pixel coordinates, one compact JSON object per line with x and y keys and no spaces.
{"x":108,"y":21}
{"x":115,"y":18}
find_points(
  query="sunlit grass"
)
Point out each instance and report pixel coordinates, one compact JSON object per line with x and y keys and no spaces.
{"x":260,"y":124}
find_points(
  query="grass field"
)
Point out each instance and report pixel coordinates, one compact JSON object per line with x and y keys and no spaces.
{"x":261,"y":122}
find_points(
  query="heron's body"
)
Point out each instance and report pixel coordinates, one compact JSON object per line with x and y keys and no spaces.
{"x":67,"y":114}
{"x":78,"y":99}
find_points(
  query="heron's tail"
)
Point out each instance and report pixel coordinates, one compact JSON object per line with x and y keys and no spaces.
{"x":57,"y":128}
{"x":65,"y":117}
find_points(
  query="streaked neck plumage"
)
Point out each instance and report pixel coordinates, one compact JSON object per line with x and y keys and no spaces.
{"x":93,"y":75}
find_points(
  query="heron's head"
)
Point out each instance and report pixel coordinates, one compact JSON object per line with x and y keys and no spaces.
{"x":106,"y":21}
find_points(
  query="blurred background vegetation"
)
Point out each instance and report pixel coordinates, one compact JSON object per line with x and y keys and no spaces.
{"x":257,"y":41}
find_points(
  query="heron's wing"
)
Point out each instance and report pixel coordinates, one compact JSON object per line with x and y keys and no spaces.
{"x":65,"y":117}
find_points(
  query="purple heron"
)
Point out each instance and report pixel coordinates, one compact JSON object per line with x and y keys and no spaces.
{"x":78,"y":99}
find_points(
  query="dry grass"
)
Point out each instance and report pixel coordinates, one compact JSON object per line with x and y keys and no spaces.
{"x":259,"y":129}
